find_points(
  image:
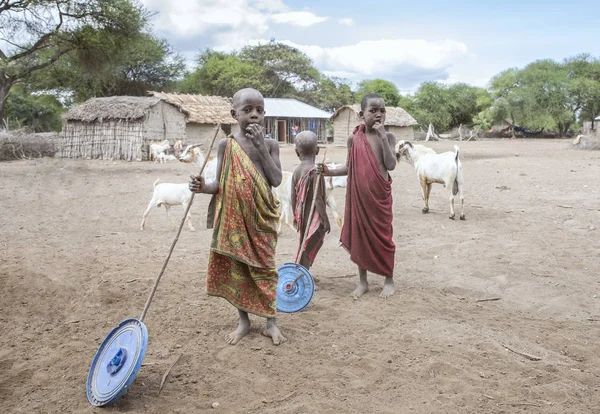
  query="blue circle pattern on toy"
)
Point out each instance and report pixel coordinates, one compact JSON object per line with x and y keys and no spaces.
{"x":117,"y":362}
{"x":295,"y":288}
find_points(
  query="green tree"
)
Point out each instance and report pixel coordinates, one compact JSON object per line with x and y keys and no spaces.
{"x":40,"y":112}
{"x":221,"y":74}
{"x":484,"y":119}
{"x":507,"y":101}
{"x":466,"y":102}
{"x":285,"y":68}
{"x":385,"y":88}
{"x":546,"y":91}
{"x":329,"y":94}
{"x":275,"y":69}
{"x":105,"y":64}
{"x":36,"y":34}
{"x":547,"y":94}
{"x":583,"y":72}
{"x":431,"y":104}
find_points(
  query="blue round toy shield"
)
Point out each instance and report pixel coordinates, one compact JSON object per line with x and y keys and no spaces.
{"x":117,"y":362}
{"x":295,"y":288}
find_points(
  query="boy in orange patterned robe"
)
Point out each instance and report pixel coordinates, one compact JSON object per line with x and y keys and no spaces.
{"x":241,"y":266}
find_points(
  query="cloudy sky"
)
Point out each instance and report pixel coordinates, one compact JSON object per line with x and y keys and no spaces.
{"x":405,"y":42}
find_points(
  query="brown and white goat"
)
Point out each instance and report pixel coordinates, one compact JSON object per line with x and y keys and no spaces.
{"x":194,"y":155}
{"x":444,"y":168}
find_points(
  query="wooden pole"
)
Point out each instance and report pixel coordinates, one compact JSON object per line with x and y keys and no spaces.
{"x":178,"y":232}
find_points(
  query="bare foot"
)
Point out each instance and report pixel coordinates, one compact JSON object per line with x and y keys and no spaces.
{"x":388,"y":288}
{"x":273,"y":332}
{"x":361,"y":289}
{"x":243,"y":328}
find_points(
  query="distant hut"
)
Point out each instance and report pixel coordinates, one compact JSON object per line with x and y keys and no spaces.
{"x":283,"y":115}
{"x":122,"y":127}
{"x":119,"y":127}
{"x":397,"y":120}
{"x":203,"y":113}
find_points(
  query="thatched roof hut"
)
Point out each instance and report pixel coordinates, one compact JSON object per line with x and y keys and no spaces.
{"x":119,"y":127}
{"x":397,"y":120}
{"x":203,"y":113}
{"x":111,"y":108}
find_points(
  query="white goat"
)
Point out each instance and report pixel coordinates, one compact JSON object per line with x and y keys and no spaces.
{"x":177,"y":147}
{"x":339,"y":181}
{"x":158,"y":147}
{"x":193,"y":155}
{"x":168,"y":195}
{"x":163,"y":158}
{"x":284,"y":195}
{"x":444,"y":168}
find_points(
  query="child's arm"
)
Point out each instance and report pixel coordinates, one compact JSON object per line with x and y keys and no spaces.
{"x":269,"y":154}
{"x":389,"y":157}
{"x":388,"y":143}
{"x":198,"y":185}
{"x":272,"y":164}
{"x":337,"y":172}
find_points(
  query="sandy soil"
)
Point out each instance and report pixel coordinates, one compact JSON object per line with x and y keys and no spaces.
{"x":74,"y":263}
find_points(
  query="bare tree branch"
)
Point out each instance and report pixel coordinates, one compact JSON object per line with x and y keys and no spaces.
{"x":37,"y":45}
{"x":42,"y":65}
{"x":7,"y":5}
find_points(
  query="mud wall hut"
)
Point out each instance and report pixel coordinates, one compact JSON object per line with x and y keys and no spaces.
{"x":282,"y":115}
{"x":203,"y":114}
{"x":397,"y":120}
{"x":119,"y":127}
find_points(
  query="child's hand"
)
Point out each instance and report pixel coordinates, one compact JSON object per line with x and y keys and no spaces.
{"x":380,"y":129}
{"x":322,"y":169}
{"x":197,"y":183}
{"x":254,"y":133}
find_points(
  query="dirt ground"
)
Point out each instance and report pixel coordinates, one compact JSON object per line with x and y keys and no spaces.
{"x":74,"y":263}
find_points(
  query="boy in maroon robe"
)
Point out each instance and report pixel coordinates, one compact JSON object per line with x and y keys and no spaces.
{"x":303,"y":186}
{"x":367,"y":231}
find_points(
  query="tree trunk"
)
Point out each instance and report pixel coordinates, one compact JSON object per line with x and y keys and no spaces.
{"x":512,"y":118}
{"x":5,"y":85}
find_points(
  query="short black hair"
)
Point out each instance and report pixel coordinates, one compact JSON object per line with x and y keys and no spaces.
{"x":239,"y":94}
{"x":365,"y":99}
{"x":306,"y":142}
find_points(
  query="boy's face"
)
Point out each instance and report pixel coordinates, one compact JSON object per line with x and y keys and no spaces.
{"x":249,"y":109}
{"x":374,"y":112}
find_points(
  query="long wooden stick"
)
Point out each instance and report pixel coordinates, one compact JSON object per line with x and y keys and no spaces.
{"x":529,"y":357}
{"x":178,"y":231}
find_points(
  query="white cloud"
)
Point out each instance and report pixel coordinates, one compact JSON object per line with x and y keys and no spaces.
{"x":404,"y":61}
{"x":374,"y":56}
{"x":270,"y":5}
{"x":228,"y":25}
{"x":297,"y":18}
{"x":230,"y":22}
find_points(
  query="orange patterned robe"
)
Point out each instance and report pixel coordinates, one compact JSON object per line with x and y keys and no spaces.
{"x":241,"y":265}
